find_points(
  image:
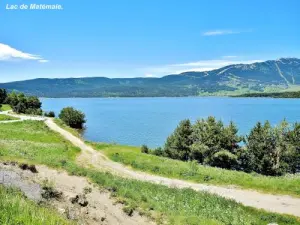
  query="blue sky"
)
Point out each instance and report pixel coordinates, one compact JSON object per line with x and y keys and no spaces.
{"x":143,"y":38}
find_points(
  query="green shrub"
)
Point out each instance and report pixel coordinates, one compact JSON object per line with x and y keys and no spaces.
{"x":72,"y":117}
{"x":224,"y":159}
{"x":145,"y":149}
{"x":158,"y":152}
{"x":21,"y":103}
{"x":49,"y":114}
{"x":32,"y":111}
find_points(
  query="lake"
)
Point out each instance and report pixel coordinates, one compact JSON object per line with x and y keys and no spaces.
{"x":137,"y":121}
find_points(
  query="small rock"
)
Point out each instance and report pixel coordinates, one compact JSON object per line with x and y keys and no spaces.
{"x":61,"y":210}
{"x":102,"y":219}
{"x":80,"y":199}
{"x":72,"y":214}
{"x":23,"y":166}
{"x":32,"y":168}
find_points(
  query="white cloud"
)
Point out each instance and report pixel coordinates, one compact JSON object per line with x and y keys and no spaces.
{"x":199,"y":66}
{"x":43,"y":61}
{"x":149,"y":75}
{"x":8,"y":53}
{"x":223,"y":32}
{"x":229,"y":56}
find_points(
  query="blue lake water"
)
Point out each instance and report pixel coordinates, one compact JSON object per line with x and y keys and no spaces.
{"x":137,"y":121}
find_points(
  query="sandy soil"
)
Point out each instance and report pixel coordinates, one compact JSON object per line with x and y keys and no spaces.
{"x":100,"y":208}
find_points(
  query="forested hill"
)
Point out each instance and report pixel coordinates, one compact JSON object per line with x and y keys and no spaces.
{"x":272,"y":75}
{"x":288,"y":94}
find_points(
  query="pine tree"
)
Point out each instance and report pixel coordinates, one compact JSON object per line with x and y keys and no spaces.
{"x":178,"y":144}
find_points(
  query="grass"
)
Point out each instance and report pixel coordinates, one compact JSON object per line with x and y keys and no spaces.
{"x":35,"y":142}
{"x":184,"y":206}
{"x":32,"y":141}
{"x":7,"y":117}
{"x":75,"y":132}
{"x":16,"y":209}
{"x":5,"y":107}
{"x":131,"y":156}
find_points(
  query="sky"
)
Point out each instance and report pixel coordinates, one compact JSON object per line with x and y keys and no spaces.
{"x":143,"y":38}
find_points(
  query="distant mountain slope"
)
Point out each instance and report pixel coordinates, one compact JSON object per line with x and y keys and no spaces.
{"x":240,"y":78}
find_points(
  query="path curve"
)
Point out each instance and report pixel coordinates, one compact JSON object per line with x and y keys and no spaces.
{"x":274,"y":203}
{"x":90,"y":157}
{"x":21,"y":117}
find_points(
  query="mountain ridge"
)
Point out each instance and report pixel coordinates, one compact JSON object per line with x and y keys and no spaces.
{"x":271,"y":75}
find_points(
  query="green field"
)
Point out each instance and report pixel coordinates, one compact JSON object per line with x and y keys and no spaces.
{"x":16,"y":209}
{"x":5,"y":107}
{"x":7,"y":117}
{"x":131,"y":156}
{"x":32,"y":141}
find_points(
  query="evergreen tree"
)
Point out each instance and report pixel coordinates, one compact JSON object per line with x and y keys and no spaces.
{"x":3,"y":95}
{"x":269,"y":150}
{"x":230,"y":139}
{"x":178,"y":144}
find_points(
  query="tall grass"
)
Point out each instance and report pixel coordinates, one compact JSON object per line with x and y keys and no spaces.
{"x":34,"y":141}
{"x":7,"y":117}
{"x":16,"y":209}
{"x":5,"y":107}
{"x":168,"y":205}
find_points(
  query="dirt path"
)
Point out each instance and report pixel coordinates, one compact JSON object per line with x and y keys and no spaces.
{"x":21,"y":117}
{"x":273,"y":203}
{"x":92,"y":158}
{"x":92,"y":206}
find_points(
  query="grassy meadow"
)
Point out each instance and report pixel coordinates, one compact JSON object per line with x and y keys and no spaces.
{"x":32,"y":141}
{"x":132,"y":156}
{"x":15,"y":208}
{"x":35,"y":142}
{"x":5,"y":107}
{"x":7,"y":117}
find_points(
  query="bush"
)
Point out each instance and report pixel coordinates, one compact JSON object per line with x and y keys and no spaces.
{"x":158,"y":152}
{"x":145,"y":149}
{"x":31,"y":111}
{"x":24,"y":104}
{"x":49,"y":114}
{"x":224,"y":159}
{"x":20,"y":107}
{"x":72,"y":117}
